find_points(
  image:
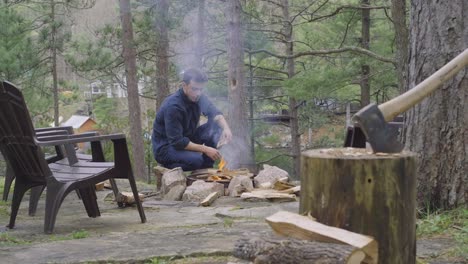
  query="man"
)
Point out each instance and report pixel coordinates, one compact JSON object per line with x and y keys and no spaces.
{"x":177,"y":140}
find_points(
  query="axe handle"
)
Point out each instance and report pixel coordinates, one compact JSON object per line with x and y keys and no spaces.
{"x":405,"y":101}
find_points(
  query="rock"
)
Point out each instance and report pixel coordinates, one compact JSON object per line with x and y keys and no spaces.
{"x":238,"y":185}
{"x":201,"y":189}
{"x":269,"y":174}
{"x":159,"y":172}
{"x":173,"y":184}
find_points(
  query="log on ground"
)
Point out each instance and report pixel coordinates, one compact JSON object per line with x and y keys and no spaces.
{"x":274,"y":250}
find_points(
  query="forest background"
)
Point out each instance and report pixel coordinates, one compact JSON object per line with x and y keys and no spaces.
{"x":284,"y":72}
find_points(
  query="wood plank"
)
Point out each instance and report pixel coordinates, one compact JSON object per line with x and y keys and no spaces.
{"x":268,"y":194}
{"x":209,"y":199}
{"x":302,"y":227}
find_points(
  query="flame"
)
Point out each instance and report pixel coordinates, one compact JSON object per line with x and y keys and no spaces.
{"x":222,"y":164}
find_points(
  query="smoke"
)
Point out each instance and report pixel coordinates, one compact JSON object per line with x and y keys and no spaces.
{"x":233,"y":153}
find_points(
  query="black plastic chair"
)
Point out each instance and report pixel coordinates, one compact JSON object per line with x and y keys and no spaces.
{"x":24,"y":154}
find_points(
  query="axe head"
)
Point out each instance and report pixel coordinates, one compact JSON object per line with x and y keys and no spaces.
{"x":380,"y":135}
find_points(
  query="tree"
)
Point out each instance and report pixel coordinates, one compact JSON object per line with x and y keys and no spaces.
{"x":129,"y":55}
{"x":293,"y":116}
{"x":437,"y":127}
{"x":365,"y":41}
{"x":401,"y":41}
{"x":236,"y":82}
{"x":200,"y":34}
{"x":162,"y":47}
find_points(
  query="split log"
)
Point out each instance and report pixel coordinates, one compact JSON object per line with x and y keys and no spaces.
{"x":295,"y":190}
{"x":282,"y":185}
{"x":303,"y":227}
{"x":268,"y":194}
{"x":295,"y":251}
{"x":367,"y":193}
{"x":209,"y":199}
{"x":99,"y":186}
{"x":127,"y":198}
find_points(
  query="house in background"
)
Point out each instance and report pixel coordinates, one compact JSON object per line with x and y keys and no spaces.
{"x":81,"y":124}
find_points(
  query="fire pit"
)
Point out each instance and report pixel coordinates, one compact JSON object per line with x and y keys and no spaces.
{"x":220,"y":175}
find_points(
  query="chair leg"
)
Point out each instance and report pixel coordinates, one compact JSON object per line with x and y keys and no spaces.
{"x":131,"y":179}
{"x":34,"y":198}
{"x":9,"y":177}
{"x":18,"y":193}
{"x":56,"y":192}
{"x":115,"y":190}
{"x":89,"y":199}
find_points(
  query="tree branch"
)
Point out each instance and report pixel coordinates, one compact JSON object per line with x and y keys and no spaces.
{"x":331,"y":51}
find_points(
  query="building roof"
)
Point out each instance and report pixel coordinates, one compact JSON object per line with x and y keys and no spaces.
{"x":76,"y":121}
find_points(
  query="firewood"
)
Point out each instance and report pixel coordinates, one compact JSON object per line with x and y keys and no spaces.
{"x":274,"y":250}
{"x":302,"y":227}
{"x":295,"y":190}
{"x":268,"y":194}
{"x":127,"y":198}
{"x":209,"y":199}
{"x":99,"y":186}
{"x":282,"y":185}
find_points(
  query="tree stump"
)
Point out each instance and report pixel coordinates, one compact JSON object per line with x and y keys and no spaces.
{"x":370,"y":194}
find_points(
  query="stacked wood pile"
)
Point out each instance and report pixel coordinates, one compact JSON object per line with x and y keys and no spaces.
{"x":270,"y":184}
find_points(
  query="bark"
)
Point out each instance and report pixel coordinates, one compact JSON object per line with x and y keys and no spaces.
{"x":53,"y":47}
{"x":437,"y":127}
{"x":294,"y":251}
{"x":162,"y":48}
{"x":365,"y":39}
{"x":236,"y":85}
{"x":293,"y":123}
{"x":251,"y":108}
{"x":200,"y":34}
{"x":401,"y":39}
{"x":369,"y":194}
{"x":129,"y":55}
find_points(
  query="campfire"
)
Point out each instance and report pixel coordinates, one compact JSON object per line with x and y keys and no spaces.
{"x":222,"y":174}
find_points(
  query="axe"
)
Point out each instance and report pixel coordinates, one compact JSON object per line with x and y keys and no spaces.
{"x":371,"y":122}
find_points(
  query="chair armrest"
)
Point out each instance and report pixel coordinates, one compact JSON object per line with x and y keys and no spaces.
{"x":59,"y":135}
{"x":50,"y":133}
{"x":47,"y":129}
{"x":72,"y":139}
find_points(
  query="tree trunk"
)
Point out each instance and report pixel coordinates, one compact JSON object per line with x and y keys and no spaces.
{"x":53,"y":47}
{"x":236,"y":84}
{"x":293,"y":121}
{"x":251,"y":108}
{"x":200,"y":34}
{"x":437,"y":127}
{"x":365,"y":39}
{"x":162,"y":47}
{"x":365,"y":193}
{"x":129,"y":54}
{"x":401,"y":40}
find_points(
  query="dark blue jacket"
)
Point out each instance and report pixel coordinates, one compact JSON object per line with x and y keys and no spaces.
{"x":177,"y":121}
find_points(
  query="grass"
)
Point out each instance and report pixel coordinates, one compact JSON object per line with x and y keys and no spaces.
{"x":453,"y":223}
{"x":9,"y":240}
{"x":79,"y":234}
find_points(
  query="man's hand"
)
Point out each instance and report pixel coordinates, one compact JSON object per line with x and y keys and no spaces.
{"x":226,"y":135}
{"x":212,"y":153}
